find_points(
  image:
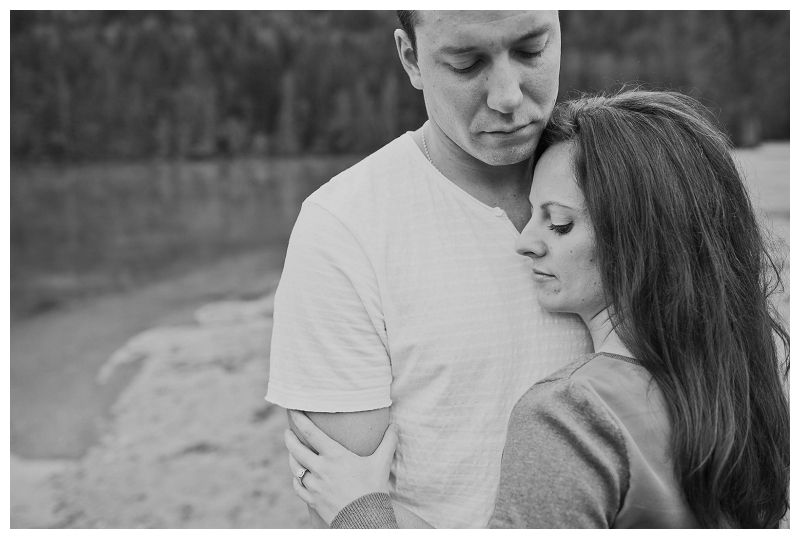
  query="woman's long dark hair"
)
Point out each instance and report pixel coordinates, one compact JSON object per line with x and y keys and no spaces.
{"x":688,"y":276}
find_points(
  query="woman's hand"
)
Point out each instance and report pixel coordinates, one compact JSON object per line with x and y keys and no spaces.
{"x":335,"y":477}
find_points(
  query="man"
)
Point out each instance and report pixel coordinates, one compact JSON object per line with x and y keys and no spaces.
{"x":402,"y":298}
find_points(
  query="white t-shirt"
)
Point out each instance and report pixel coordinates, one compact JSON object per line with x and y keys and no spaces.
{"x":400,"y":289}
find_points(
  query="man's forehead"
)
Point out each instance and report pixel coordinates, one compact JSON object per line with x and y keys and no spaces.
{"x":467,"y":16}
{"x":443,"y":27}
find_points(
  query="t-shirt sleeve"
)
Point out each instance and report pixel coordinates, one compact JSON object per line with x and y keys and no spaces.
{"x":329,"y":344}
{"x":564,"y":464}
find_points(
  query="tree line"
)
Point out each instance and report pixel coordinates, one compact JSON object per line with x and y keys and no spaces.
{"x":110,"y":85}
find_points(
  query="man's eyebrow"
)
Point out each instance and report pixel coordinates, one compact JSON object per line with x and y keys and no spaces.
{"x":456,"y":50}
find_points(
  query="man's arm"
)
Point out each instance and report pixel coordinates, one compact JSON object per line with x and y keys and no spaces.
{"x":361,"y":433}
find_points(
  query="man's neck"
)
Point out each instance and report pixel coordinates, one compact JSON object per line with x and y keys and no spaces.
{"x":506,"y":187}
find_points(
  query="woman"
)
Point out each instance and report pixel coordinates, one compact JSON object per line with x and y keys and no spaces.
{"x":642,"y":225}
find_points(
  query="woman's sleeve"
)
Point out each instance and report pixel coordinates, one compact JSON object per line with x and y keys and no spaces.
{"x":565,"y":462}
{"x":369,"y":511}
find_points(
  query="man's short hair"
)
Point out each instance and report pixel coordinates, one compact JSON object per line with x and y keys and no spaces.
{"x":408,"y":20}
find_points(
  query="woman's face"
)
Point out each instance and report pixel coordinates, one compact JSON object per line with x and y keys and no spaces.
{"x":559,"y":239}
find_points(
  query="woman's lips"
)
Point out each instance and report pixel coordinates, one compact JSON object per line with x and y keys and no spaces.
{"x":542,"y":276}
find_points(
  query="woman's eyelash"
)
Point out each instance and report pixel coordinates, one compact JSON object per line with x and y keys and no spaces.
{"x":561,"y":229}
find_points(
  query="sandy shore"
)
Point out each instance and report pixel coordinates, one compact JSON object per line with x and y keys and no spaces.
{"x":192,"y":445}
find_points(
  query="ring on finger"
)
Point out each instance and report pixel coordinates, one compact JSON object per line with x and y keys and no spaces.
{"x":300,"y":473}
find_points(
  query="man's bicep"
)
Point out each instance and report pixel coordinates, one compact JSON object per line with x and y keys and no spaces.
{"x":329,"y":348}
{"x":360,"y":432}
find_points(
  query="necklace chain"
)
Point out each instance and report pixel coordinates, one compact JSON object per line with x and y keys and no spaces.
{"x":427,"y":154}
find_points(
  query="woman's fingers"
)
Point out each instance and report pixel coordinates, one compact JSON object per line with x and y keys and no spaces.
{"x":317,"y":439}
{"x":295,"y":466}
{"x":301,"y":492}
{"x":302,"y":455}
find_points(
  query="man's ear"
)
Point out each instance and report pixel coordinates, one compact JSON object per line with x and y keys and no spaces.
{"x":408,"y":58}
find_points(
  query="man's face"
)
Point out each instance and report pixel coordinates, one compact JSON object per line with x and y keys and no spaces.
{"x":490,"y":78}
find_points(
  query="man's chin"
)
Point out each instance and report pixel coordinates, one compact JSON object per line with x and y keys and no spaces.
{"x":505,"y":156}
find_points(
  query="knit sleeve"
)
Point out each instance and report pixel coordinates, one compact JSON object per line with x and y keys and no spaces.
{"x":564,"y":464}
{"x":369,"y":511}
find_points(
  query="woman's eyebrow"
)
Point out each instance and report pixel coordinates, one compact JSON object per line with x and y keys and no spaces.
{"x":552,"y":203}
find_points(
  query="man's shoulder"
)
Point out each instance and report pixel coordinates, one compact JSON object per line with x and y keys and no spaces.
{"x":381,"y":175}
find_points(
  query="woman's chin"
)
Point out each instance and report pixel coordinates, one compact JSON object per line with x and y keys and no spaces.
{"x":553,"y":306}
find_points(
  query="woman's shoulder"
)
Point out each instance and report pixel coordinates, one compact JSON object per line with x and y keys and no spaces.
{"x":613,"y":389}
{"x":566,"y":372}
{"x":612,"y":407}
{"x":565,"y":455}
{"x":622,"y":383}
{"x":580,"y":391}
{"x":600,"y":365}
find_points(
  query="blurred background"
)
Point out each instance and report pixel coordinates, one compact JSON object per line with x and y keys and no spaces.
{"x":158,"y":162}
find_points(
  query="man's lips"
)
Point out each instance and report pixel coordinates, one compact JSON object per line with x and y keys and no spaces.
{"x":508,"y":131}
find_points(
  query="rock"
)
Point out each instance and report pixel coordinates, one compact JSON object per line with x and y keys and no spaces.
{"x":192,"y":444}
{"x":228,"y":312}
{"x":34,"y":496}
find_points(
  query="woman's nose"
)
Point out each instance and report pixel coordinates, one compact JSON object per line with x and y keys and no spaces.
{"x":528,"y":245}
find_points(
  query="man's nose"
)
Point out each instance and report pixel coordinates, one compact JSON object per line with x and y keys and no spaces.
{"x":529,"y":245}
{"x":504,"y":92}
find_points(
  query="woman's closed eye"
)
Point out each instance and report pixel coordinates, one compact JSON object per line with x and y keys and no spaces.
{"x":561,"y":229}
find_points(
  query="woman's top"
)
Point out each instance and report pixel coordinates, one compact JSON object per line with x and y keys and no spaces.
{"x":587,"y":447}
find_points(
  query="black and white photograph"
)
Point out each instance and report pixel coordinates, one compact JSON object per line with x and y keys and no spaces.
{"x":457,"y":269}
